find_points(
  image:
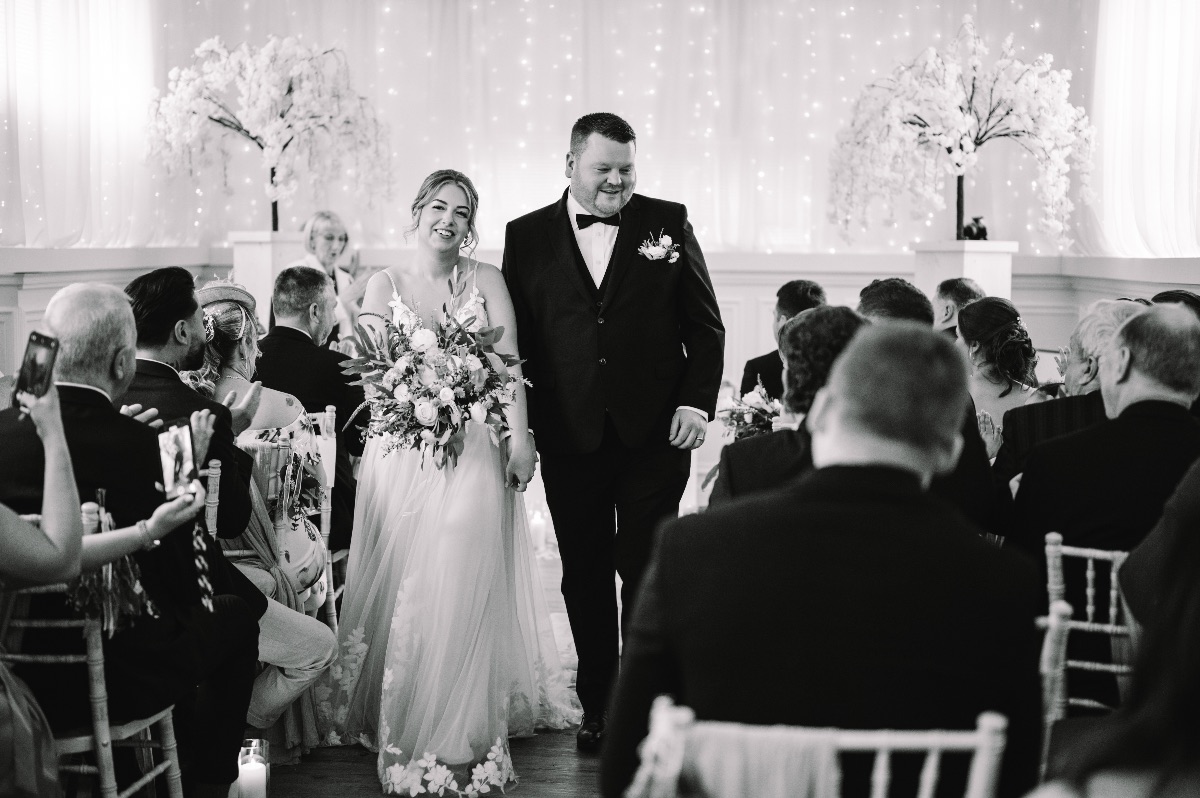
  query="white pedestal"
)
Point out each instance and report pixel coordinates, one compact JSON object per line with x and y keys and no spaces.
{"x":988,"y":263}
{"x":258,"y":257}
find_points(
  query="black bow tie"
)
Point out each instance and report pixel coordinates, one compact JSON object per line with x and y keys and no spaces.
{"x":586,"y":220}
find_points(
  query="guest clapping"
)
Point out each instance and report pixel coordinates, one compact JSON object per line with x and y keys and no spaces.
{"x":792,"y":299}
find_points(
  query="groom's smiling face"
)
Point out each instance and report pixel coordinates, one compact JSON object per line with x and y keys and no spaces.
{"x":602,"y":175}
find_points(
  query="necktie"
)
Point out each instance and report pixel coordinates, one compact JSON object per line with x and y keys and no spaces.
{"x":586,"y":220}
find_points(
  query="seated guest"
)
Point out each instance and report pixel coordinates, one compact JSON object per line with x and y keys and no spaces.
{"x":1151,"y":745}
{"x":1002,"y":357}
{"x":952,"y":296}
{"x":1104,"y":487}
{"x":903,"y":617}
{"x":970,"y":487}
{"x":1192,"y":302}
{"x":172,"y":337}
{"x":157,"y":661}
{"x":792,"y":298}
{"x":810,"y":343}
{"x":325,"y":239}
{"x":293,"y":363}
{"x":1082,"y":406}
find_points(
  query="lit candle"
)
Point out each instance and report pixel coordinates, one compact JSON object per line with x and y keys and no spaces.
{"x":252,"y":780}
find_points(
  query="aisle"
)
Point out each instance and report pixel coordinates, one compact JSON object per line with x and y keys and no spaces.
{"x":548,"y":764}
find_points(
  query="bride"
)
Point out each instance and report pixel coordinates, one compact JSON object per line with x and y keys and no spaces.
{"x":445,"y":642}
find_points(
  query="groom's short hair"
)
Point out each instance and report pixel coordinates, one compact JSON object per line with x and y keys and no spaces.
{"x":902,"y":381}
{"x":895,"y":299}
{"x":296,"y":288}
{"x":608,"y":125}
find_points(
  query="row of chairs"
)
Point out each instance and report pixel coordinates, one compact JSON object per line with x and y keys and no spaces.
{"x":154,"y":733}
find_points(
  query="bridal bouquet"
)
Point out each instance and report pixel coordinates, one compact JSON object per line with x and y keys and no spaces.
{"x":424,"y":385}
{"x":752,"y":414}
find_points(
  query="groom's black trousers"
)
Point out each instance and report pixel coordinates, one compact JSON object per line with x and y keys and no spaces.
{"x":605,"y":506}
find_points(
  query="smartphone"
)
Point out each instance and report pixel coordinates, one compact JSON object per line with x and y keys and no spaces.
{"x":178,"y":459}
{"x":37,"y":368}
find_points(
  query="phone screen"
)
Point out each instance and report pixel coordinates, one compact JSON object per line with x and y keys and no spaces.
{"x":37,"y":368}
{"x":178,"y":460}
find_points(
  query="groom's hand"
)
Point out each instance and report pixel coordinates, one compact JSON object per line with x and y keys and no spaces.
{"x":687,"y":429}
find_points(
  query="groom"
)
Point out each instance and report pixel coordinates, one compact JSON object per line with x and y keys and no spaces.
{"x":623,"y":344}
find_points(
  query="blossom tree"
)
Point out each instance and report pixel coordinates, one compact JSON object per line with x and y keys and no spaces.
{"x":929,"y":118}
{"x":294,"y":102}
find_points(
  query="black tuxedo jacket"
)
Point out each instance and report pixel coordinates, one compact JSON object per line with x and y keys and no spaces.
{"x":292,"y":363}
{"x":151,"y":663}
{"x":1141,"y":576}
{"x":898,"y":616}
{"x":768,"y":368}
{"x":1105,"y":487}
{"x":764,"y":462}
{"x":635,"y":348}
{"x":1029,"y":425}
{"x":159,"y":386}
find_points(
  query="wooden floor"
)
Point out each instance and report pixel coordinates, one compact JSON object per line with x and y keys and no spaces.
{"x":548,"y":766}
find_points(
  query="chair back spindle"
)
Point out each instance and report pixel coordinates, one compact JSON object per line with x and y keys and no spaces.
{"x":213,"y":499}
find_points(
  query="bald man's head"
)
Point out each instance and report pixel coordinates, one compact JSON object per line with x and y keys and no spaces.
{"x":1154,"y":355}
{"x":97,"y":336}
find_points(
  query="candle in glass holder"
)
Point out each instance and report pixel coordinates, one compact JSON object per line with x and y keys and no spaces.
{"x":254,"y":773}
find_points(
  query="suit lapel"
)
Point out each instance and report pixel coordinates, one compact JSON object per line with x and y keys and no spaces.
{"x":566,"y":250}
{"x":629,"y":238}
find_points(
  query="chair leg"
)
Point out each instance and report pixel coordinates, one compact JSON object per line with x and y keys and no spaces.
{"x":166,"y":734}
{"x":98,"y":695}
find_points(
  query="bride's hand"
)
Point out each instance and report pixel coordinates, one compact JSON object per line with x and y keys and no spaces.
{"x":522,"y":460}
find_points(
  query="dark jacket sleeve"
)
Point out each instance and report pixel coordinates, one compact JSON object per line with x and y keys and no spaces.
{"x":524,"y":315}
{"x":233,"y":508}
{"x":701,"y":329}
{"x":722,"y":490}
{"x":648,"y":670}
{"x":1020,"y":684}
{"x":350,"y":399}
{"x":1034,"y":507}
{"x":749,"y":378}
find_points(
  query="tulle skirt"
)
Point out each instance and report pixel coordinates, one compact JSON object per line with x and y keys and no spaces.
{"x":445,"y":643}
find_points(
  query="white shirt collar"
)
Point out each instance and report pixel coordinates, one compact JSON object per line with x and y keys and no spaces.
{"x":573,"y":208}
{"x":159,"y":362}
{"x":101,"y":391}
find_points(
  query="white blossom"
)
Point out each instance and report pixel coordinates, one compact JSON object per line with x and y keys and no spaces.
{"x":928,"y":119}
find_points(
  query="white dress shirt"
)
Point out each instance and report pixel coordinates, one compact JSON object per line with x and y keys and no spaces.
{"x":595,"y":243}
{"x":596,"y":246}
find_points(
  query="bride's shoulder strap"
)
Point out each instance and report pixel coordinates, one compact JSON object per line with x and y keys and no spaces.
{"x":391,"y":280}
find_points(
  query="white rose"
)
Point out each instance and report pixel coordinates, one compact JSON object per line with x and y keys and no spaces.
{"x":674,"y":257}
{"x":427,"y":436}
{"x":665,"y":241}
{"x":401,"y":366}
{"x":473,"y":363}
{"x":657,"y":252}
{"x":446,"y":395}
{"x":423,"y":340}
{"x":401,"y":393}
{"x":425,"y":413}
{"x":478,"y":414}
{"x":427,"y":376}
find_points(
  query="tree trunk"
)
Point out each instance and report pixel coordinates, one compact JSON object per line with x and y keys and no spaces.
{"x":275,"y":207}
{"x":958,"y":226}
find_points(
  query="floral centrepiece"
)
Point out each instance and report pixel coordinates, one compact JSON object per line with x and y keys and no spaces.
{"x":752,"y":414}
{"x":659,"y":248}
{"x":291,"y":100}
{"x":929,"y":118}
{"x":423,"y":385}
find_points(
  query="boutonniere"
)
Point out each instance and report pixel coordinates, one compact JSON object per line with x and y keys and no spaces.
{"x":658,"y":248}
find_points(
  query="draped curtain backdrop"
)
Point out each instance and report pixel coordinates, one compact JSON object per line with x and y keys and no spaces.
{"x":736,"y":105}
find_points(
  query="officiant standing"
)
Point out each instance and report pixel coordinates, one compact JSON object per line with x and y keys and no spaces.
{"x":623,"y":343}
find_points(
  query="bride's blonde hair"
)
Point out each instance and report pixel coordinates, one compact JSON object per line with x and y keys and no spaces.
{"x":429,"y":189}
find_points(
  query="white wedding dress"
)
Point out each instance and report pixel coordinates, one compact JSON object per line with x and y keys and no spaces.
{"x":445,"y":643}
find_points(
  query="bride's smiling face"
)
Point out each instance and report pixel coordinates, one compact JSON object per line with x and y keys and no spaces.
{"x":445,"y":221}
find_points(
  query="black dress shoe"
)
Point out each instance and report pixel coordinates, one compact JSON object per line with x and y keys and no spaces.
{"x":591,"y":732}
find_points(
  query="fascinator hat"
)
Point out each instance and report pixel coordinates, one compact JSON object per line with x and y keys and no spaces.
{"x":224,"y":291}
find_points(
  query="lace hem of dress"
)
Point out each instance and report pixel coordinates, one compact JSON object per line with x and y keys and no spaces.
{"x":425,"y":774}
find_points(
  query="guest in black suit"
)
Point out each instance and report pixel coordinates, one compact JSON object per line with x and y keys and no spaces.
{"x":791,"y":299}
{"x":810,"y":343}
{"x":169,"y":322}
{"x":1189,"y":300}
{"x":1141,"y":575}
{"x":623,"y":345}
{"x":291,"y":362}
{"x":1105,"y":487}
{"x":970,"y":486}
{"x":157,"y":661}
{"x":903,"y":617}
{"x":952,"y":296}
{"x":1083,"y":406}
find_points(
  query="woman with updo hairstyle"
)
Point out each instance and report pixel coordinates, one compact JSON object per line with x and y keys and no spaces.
{"x":1002,"y":362}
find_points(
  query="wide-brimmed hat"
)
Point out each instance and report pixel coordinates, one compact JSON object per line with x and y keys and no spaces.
{"x":225,"y":291}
